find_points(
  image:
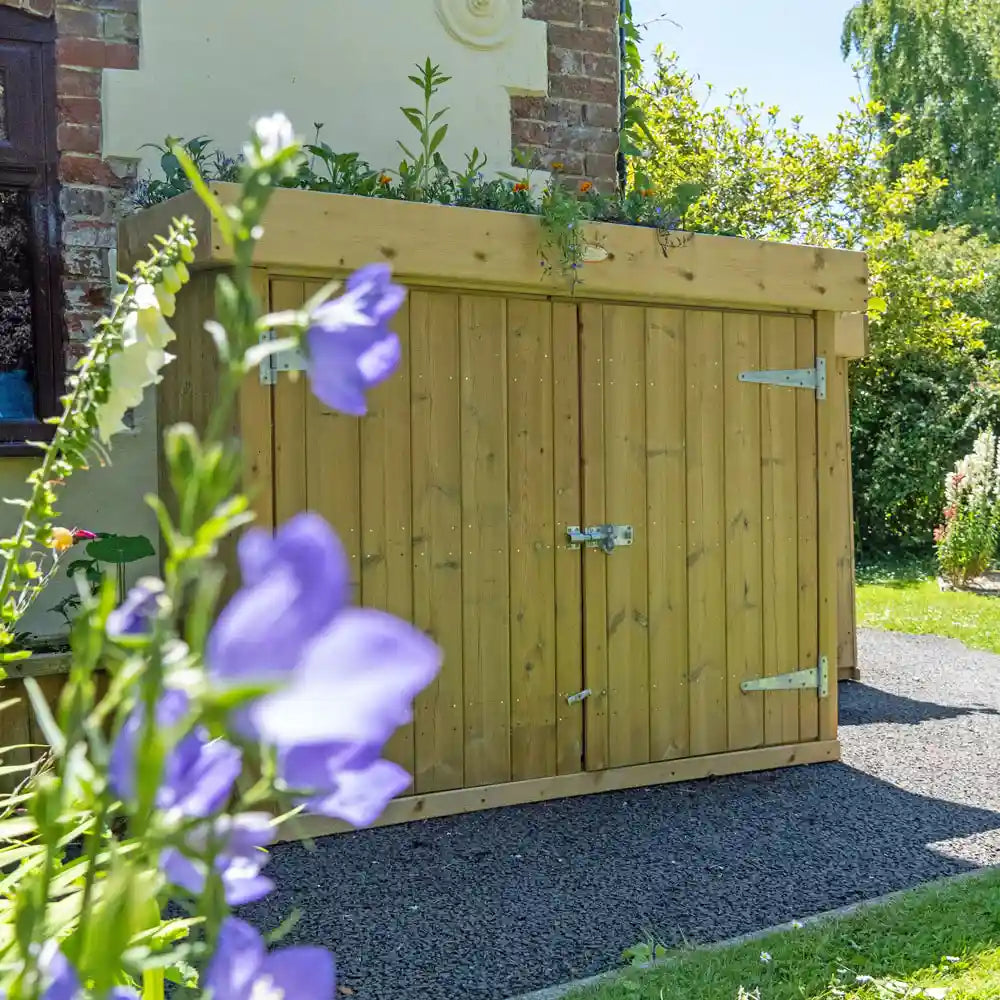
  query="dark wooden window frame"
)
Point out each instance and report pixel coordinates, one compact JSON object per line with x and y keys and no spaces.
{"x":40,"y":177}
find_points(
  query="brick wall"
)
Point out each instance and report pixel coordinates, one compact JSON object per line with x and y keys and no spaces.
{"x":91,"y":35}
{"x":577,"y":124}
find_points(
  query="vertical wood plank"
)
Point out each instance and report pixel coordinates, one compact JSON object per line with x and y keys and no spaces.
{"x":627,"y":580}
{"x":666,"y":521}
{"x":808,"y":597}
{"x":706,"y":532}
{"x":532,"y":566}
{"x":847,"y":640}
{"x":568,"y":562}
{"x":437,"y":537}
{"x":744,"y":640}
{"x":831,"y":455}
{"x":16,"y":732}
{"x":289,"y":402}
{"x":779,"y":492}
{"x":485,"y":585}
{"x":256,"y":428}
{"x":386,"y":508}
{"x":595,"y":634}
{"x":333,"y":471}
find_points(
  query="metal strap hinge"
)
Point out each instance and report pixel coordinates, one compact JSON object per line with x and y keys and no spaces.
{"x":286,"y":361}
{"x":798,"y":680}
{"x":793,"y":378}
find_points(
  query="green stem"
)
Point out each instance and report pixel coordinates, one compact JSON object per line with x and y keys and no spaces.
{"x":43,"y":477}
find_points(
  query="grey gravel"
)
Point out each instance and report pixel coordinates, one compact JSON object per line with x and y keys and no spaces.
{"x":490,"y":905}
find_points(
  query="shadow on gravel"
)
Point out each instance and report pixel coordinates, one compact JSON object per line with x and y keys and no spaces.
{"x":490,"y":905}
{"x":861,"y":705}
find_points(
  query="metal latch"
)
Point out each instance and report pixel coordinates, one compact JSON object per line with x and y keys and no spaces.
{"x":286,"y":361}
{"x":793,"y":378}
{"x":798,"y":680}
{"x":604,"y":536}
{"x":572,"y":699}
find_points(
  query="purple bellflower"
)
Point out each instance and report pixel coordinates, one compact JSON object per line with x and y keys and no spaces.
{"x":241,"y":969}
{"x":198,"y":773}
{"x":238,"y":843}
{"x":293,"y":585}
{"x":352,"y":673}
{"x":60,"y":981}
{"x":350,"y":346}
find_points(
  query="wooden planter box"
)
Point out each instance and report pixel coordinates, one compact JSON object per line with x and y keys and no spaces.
{"x":522,"y":411}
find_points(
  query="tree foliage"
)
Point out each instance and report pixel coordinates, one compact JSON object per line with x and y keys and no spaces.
{"x":938,"y":61}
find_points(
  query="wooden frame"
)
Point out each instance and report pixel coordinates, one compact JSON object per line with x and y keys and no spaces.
{"x":314,"y":233}
{"x":475,"y":281}
{"x":28,"y":161}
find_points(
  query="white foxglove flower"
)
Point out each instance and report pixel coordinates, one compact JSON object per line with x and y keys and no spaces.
{"x":145,"y":335}
{"x":273,"y":133}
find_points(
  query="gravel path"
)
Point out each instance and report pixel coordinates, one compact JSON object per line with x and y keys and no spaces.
{"x":490,"y":905}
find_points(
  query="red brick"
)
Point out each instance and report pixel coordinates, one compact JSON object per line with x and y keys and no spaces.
{"x":528,"y":133}
{"x":529,"y":107}
{"x":601,"y":14}
{"x":121,"y":27}
{"x":79,"y":110}
{"x":554,"y":11}
{"x":78,"y":82}
{"x":72,"y":138}
{"x":75,"y":168}
{"x":601,"y":166}
{"x":88,"y":233}
{"x":602,"y":115}
{"x":81,"y":201}
{"x":583,"y":39}
{"x":564,"y":112}
{"x":88,"y":52}
{"x":84,"y":262}
{"x":73,"y":23}
{"x":95,"y":54}
{"x":580,"y":88}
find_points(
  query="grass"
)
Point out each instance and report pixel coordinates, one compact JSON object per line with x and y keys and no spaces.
{"x":906,"y":598}
{"x":935,"y":942}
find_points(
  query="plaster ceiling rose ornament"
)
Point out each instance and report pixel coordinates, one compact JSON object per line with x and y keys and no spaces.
{"x":482,"y":24}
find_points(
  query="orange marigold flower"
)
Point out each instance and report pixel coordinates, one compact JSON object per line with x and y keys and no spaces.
{"x":520,"y":186}
{"x":558,"y":165}
{"x":585,"y":186}
{"x":62,"y":539}
{"x":648,"y":193}
{"x":385,"y":179}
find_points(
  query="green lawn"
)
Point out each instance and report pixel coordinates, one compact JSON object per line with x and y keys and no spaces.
{"x":936,"y":942}
{"x":907,"y":602}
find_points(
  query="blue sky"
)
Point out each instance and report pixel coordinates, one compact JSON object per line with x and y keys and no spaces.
{"x":787,"y":52}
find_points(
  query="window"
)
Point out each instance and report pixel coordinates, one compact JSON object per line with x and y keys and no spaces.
{"x":30,"y":334}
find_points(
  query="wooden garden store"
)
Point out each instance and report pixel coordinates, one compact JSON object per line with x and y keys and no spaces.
{"x":623,"y":510}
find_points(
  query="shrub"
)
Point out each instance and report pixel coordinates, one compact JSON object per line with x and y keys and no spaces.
{"x":967,"y":540}
{"x":913,"y":414}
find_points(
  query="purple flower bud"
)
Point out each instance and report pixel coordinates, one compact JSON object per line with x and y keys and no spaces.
{"x":134,"y":617}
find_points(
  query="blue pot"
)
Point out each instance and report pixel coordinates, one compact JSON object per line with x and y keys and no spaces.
{"x":16,"y":398}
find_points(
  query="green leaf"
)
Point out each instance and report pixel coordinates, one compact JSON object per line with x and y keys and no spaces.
{"x":438,"y":138}
{"x":121,"y":549}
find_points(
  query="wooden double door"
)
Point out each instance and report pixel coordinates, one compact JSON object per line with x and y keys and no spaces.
{"x":514,"y":420}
